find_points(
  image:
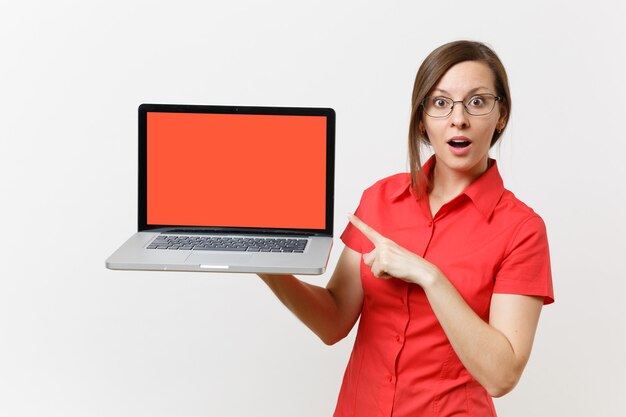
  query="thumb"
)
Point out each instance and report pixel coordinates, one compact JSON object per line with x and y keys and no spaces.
{"x":368,"y":258}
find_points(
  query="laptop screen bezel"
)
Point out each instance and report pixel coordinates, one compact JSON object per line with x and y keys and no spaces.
{"x":146,"y":108}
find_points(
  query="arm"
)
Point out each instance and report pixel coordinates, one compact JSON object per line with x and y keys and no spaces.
{"x":329,"y":312}
{"x":494,"y":353}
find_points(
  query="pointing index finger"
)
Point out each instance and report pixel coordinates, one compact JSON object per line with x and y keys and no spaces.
{"x":367,"y":230}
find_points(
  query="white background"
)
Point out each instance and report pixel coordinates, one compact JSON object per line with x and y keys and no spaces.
{"x":79,"y":340}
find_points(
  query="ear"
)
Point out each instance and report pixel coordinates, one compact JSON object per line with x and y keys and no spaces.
{"x":423,"y":134}
{"x":502,"y":120}
{"x":504,"y":115}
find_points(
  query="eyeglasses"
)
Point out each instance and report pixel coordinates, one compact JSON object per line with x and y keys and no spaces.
{"x":477,"y":105}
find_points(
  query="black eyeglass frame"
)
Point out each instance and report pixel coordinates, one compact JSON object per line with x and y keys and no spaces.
{"x":496,"y":99}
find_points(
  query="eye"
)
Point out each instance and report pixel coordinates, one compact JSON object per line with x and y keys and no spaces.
{"x":440,"y":102}
{"x":477,"y":101}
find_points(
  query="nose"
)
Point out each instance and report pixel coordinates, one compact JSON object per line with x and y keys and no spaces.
{"x":458,"y":117}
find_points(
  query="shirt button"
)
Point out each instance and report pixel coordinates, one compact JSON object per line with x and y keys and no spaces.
{"x":430,"y":224}
{"x":398,"y":339}
{"x":390,"y":378}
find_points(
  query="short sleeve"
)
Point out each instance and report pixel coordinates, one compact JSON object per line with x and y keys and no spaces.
{"x":525,"y":268}
{"x":374,"y":208}
{"x":351,"y":236}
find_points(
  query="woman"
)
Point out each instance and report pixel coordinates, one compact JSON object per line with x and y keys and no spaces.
{"x":446,"y":269}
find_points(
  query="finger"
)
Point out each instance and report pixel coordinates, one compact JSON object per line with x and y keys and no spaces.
{"x":371,"y":234}
{"x":369,"y":258}
{"x":378,"y":271}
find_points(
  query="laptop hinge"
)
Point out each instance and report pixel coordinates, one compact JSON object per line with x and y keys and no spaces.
{"x":234,"y":232}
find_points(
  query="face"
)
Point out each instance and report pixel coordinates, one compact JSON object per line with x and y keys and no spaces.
{"x":461,"y":141}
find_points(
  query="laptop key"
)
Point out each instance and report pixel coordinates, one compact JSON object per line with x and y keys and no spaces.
{"x":229,"y":244}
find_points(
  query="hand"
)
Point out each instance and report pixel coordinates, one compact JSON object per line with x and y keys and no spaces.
{"x":388,"y":259}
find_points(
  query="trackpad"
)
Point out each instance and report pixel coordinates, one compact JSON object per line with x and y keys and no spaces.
{"x":220,"y":259}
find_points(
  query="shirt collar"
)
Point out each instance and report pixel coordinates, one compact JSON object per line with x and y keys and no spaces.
{"x":404,"y":186}
{"x":485,"y":191}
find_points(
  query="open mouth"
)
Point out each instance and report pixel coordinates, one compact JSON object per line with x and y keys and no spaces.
{"x":459,"y":143}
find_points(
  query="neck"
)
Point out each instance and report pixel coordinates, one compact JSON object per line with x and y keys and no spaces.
{"x":447,"y":183}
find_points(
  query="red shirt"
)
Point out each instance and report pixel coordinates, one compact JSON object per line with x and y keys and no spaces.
{"x":485,"y":241}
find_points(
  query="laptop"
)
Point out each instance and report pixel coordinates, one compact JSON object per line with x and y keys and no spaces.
{"x":233,"y":189}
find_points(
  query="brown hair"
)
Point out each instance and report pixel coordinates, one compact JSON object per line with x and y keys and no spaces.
{"x":430,"y":72}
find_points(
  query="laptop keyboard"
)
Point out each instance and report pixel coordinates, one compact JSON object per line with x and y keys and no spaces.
{"x":231,"y":244}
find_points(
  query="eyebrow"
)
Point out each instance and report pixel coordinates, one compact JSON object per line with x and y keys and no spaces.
{"x":473,"y":90}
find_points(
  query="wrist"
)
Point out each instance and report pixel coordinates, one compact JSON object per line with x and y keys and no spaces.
{"x":432,"y":276}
